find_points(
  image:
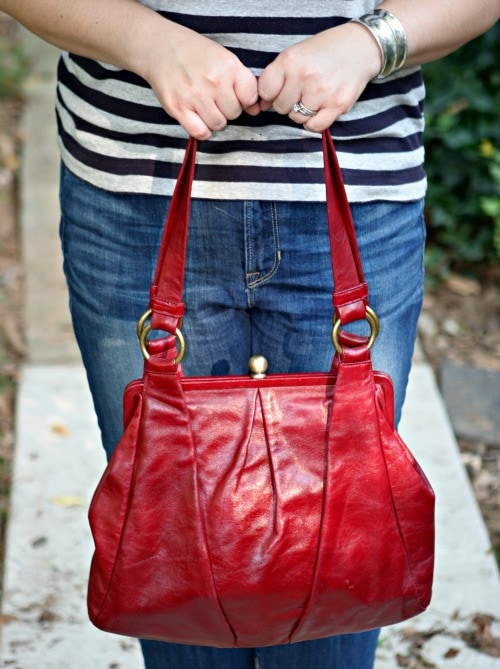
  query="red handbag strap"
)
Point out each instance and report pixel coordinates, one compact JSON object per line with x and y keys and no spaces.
{"x":351,"y":293}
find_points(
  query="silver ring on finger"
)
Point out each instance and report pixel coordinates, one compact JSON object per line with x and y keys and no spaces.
{"x":300,"y":108}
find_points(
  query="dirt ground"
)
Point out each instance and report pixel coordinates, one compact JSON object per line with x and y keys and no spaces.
{"x":460,"y":323}
{"x":11,"y":341}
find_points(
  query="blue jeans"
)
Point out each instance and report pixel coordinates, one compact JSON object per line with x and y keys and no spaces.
{"x":258,"y":280}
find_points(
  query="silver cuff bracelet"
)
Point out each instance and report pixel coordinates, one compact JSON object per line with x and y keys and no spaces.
{"x":390,"y":37}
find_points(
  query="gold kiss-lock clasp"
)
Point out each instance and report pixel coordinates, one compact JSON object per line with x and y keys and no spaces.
{"x":258,"y":366}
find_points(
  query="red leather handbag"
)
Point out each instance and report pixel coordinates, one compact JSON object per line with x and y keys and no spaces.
{"x":240,"y":511}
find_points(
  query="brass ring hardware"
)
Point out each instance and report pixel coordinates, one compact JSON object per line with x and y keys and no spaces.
{"x":373,"y":321}
{"x":141,"y":322}
{"x":144,"y":348}
{"x":142,"y":333}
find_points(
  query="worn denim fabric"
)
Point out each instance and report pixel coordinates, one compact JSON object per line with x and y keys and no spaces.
{"x":258,"y":280}
{"x":346,"y":651}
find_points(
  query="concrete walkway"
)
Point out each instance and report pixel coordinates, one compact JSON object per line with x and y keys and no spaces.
{"x":59,"y":461}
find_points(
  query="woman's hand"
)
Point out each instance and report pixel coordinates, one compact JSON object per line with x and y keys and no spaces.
{"x":327,"y":72}
{"x":199,"y":82}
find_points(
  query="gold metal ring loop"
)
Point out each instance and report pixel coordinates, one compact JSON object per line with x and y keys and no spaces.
{"x":141,"y":322}
{"x":373,"y":321}
{"x":144,"y":343}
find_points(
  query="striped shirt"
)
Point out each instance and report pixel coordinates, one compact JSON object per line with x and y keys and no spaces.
{"x":114,"y":134}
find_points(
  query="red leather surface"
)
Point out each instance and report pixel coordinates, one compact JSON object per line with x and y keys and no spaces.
{"x":253,"y":513}
{"x":351,"y":293}
{"x":241,"y":512}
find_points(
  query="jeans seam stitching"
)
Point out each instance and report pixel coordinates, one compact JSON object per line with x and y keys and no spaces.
{"x":277,"y":253}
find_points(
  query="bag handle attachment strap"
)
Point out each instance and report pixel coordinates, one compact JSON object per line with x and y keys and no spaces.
{"x":373,"y":322}
{"x":144,"y":328}
{"x":350,"y":295}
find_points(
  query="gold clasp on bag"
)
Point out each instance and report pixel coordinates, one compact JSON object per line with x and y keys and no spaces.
{"x":373,"y":321}
{"x":142,"y":333}
{"x":258,"y":366}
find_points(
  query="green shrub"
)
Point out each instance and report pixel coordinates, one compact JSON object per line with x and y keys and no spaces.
{"x":462,"y":146}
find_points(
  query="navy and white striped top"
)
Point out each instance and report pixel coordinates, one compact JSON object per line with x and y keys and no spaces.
{"x":114,"y":134}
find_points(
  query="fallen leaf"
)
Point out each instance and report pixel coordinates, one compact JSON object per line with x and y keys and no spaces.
{"x":481,"y":637}
{"x":60,"y":429}
{"x":5,"y":619}
{"x":461,"y":285}
{"x":68,"y":500}
{"x":47,"y":616}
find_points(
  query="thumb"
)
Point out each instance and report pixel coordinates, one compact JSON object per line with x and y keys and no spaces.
{"x":246,"y":90}
{"x":270,"y":83}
